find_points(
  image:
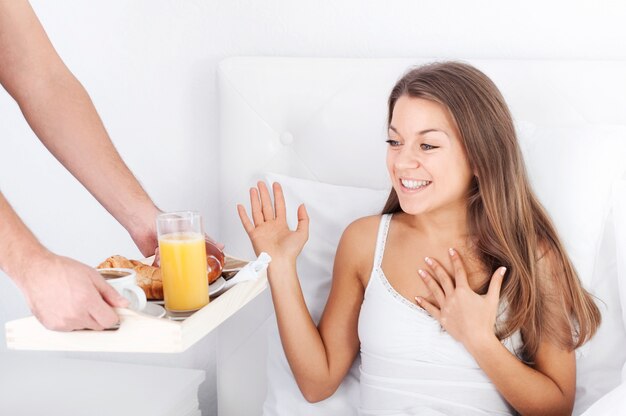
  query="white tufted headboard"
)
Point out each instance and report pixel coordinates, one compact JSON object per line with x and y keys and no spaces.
{"x":324,"y":119}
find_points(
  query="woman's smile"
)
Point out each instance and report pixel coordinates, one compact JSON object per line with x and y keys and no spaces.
{"x":413,"y":185}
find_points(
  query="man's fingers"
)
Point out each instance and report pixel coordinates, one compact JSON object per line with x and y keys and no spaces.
{"x":266,"y":201}
{"x":157,"y":258}
{"x":217,"y":244}
{"x":68,"y":323}
{"x":245,"y":220}
{"x":108,"y":294}
{"x":255,"y":206}
{"x":279,"y":201}
{"x":99,"y":320}
{"x":101,"y":310}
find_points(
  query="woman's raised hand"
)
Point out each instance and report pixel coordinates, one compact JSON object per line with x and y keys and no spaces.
{"x":469,"y":317}
{"x":268,"y":230}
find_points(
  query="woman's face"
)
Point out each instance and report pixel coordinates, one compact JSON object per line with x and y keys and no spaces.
{"x":426,"y":160}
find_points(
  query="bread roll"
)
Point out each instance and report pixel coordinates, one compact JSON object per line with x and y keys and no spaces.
{"x":148,"y":277}
{"x":150,"y":280}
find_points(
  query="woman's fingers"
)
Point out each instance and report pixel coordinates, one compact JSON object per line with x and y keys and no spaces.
{"x":460,"y":276}
{"x":496,"y":284}
{"x":279,"y":202}
{"x":264,"y":210}
{"x":433,"y":286}
{"x":255,"y":205}
{"x":303,"y":220}
{"x":441,"y":274}
{"x":266,"y":201}
{"x":428,"y":307}
{"x":245,"y":220}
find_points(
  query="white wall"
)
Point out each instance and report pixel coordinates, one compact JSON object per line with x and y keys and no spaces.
{"x":149,"y":66}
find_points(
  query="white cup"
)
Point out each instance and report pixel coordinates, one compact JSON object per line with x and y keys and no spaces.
{"x":124,"y":281}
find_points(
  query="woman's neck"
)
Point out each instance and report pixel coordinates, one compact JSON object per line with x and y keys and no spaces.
{"x":446,"y":226}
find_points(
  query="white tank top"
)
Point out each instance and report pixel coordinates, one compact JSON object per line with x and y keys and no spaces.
{"x":409,"y":364}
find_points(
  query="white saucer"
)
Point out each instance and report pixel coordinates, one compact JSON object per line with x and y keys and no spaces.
{"x":154,"y":310}
{"x":213,"y":289}
{"x":217,"y":285}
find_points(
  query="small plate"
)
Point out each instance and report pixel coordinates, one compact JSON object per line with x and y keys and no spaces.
{"x":217,"y":285}
{"x":213,"y":289}
{"x":154,"y":310}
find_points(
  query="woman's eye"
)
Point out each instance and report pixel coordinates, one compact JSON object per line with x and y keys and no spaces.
{"x":393,"y":143}
{"x":426,"y":146}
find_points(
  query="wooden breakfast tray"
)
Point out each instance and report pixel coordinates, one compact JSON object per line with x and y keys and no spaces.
{"x":138,"y":332}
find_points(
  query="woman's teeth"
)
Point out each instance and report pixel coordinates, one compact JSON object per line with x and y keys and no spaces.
{"x":413,"y":184}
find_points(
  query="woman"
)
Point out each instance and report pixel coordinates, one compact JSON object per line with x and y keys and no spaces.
{"x":460,"y":297}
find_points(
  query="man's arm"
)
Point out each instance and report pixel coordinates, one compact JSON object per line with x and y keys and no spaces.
{"x":61,"y":114}
{"x":62,"y":293}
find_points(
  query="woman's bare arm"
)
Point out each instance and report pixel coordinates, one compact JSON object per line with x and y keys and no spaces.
{"x":321,"y":356}
{"x":546,"y":388}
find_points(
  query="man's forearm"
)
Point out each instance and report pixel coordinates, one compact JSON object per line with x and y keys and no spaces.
{"x":17,"y":244}
{"x":62,"y":115}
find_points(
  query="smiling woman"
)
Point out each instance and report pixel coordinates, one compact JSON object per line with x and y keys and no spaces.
{"x":479,"y":201}
{"x":462,"y":245}
{"x":422,"y":158}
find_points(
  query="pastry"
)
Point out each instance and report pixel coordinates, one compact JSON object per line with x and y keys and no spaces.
{"x":116,"y":262}
{"x":148,"y":277}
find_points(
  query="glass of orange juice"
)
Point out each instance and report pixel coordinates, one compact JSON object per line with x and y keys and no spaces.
{"x":183,"y":261}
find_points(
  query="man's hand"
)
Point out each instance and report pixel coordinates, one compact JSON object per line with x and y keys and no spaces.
{"x":66,"y":295}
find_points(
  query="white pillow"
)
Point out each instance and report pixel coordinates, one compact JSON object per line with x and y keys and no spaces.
{"x":599,"y":362}
{"x":571,"y":170}
{"x":614,"y":402}
{"x":619,"y":210}
{"x":331,"y":209}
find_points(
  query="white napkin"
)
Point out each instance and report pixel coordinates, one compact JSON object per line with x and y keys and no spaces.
{"x":250,"y":271}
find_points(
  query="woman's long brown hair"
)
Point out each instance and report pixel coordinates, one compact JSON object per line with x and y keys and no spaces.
{"x":507,"y":223}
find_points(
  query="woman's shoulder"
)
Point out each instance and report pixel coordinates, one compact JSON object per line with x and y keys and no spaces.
{"x":359,"y":240}
{"x":363,"y":227}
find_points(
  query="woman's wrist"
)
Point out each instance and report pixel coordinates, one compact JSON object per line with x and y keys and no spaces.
{"x":479,"y":345}
{"x":281,"y":266}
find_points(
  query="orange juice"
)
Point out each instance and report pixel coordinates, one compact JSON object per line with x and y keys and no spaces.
{"x":184,"y":270}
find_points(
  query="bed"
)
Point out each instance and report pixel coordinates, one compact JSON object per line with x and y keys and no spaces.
{"x":318,"y":127}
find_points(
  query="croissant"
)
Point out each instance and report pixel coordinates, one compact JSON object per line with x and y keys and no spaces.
{"x":116,"y":262}
{"x":148,"y":277}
